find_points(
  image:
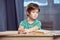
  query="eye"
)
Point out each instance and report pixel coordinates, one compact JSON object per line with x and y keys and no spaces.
{"x":33,"y":12}
{"x":36,"y":12}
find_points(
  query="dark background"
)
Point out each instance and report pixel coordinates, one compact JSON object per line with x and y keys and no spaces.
{"x":12,"y":13}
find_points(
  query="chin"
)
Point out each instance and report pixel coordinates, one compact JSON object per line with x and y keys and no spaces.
{"x":34,"y":19}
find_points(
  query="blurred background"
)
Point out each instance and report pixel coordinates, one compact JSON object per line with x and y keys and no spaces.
{"x":12,"y":12}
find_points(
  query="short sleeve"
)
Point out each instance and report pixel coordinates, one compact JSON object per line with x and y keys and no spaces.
{"x":39,"y":25}
{"x":21,"y":23}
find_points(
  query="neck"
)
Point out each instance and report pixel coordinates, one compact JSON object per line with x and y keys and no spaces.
{"x":30,"y":21}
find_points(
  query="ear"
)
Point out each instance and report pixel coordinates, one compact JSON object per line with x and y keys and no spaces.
{"x":27,"y":13}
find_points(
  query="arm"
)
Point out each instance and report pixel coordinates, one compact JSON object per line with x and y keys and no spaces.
{"x":20,"y":29}
{"x":32,"y":29}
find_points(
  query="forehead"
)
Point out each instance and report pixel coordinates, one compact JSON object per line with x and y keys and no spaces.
{"x":35,"y":10}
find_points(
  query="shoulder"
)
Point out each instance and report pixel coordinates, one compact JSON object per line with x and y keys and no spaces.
{"x":23,"y":21}
{"x":38,"y":21}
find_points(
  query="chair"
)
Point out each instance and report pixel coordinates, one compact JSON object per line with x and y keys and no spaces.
{"x":48,"y":25}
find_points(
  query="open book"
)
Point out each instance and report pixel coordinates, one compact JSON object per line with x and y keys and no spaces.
{"x":43,"y":32}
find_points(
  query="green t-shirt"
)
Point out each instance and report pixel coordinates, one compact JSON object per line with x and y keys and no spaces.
{"x":26,"y":25}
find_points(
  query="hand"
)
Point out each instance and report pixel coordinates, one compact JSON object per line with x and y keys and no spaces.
{"x":20,"y":31}
{"x":27,"y":32}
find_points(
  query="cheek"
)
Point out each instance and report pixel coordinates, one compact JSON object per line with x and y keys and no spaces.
{"x":33,"y":15}
{"x":36,"y":15}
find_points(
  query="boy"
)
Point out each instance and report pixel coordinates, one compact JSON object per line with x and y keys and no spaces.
{"x":30,"y":24}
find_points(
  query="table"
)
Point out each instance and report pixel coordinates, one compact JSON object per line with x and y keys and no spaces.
{"x":12,"y":35}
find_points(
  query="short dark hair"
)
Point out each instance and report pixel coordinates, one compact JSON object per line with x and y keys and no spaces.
{"x":32,"y":6}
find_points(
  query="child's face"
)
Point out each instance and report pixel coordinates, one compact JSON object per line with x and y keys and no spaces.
{"x":33,"y":14}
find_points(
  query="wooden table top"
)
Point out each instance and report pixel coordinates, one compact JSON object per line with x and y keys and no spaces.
{"x":15,"y":33}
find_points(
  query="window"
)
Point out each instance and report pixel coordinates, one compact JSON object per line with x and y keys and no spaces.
{"x":56,"y":1}
{"x":39,"y":2}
